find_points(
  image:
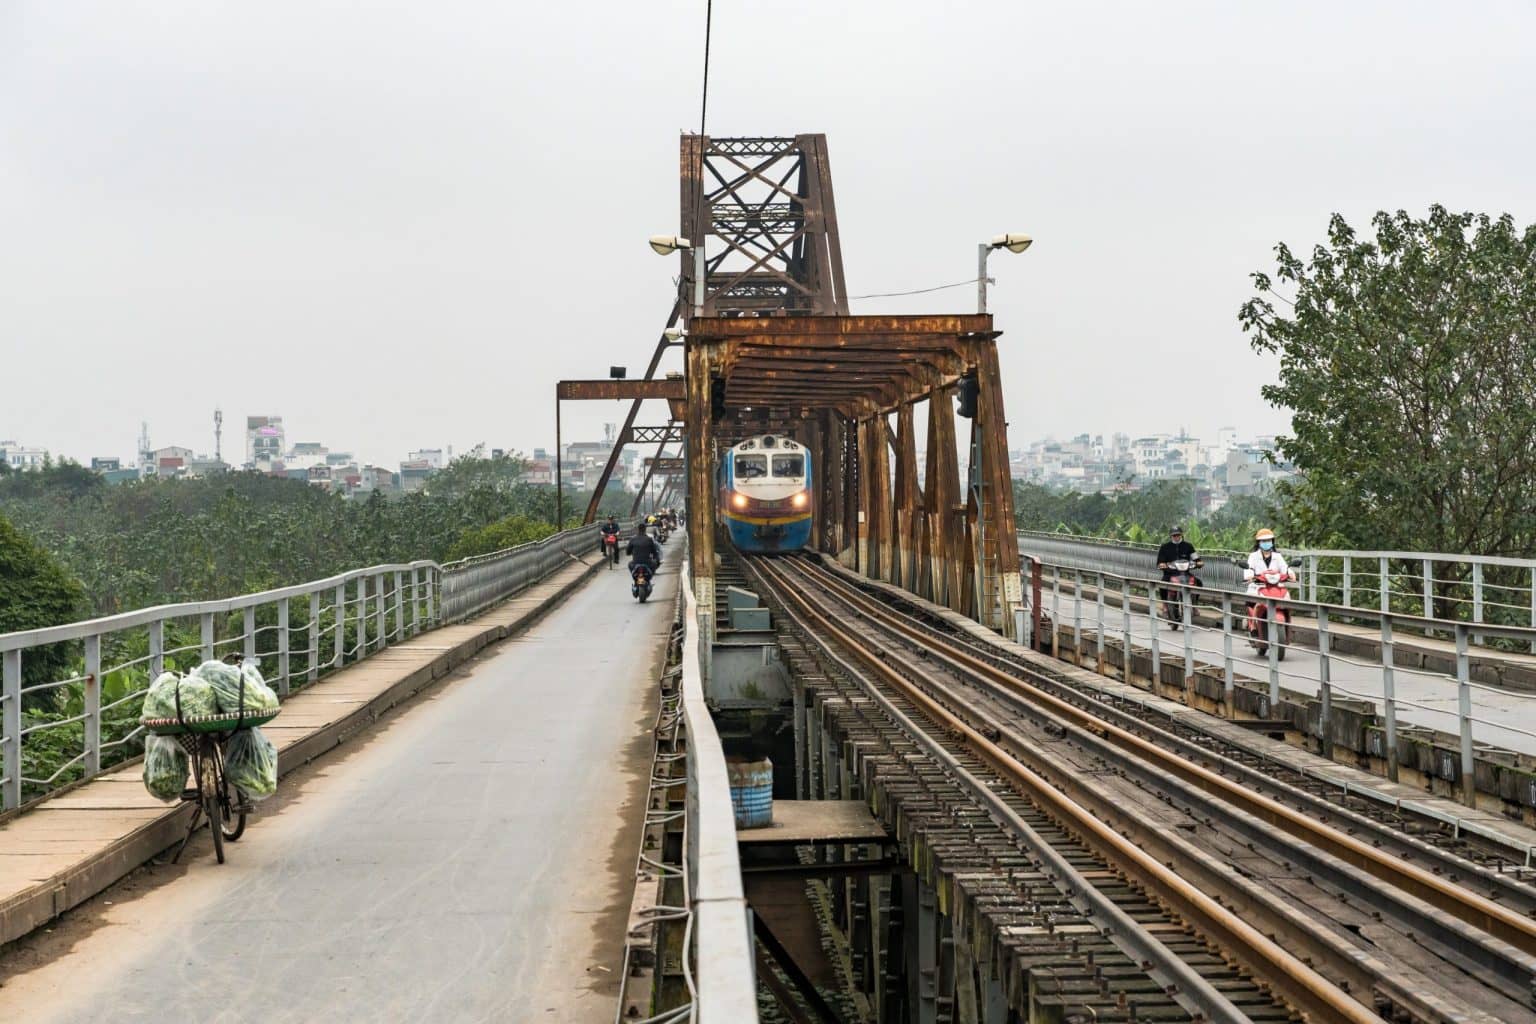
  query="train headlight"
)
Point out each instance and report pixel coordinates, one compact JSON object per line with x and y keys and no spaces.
{"x":799,"y":500}
{"x":739,"y":500}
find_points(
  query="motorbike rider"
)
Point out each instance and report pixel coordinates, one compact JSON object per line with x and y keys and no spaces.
{"x":608,"y":529}
{"x":1265,"y":556}
{"x":642,"y":550}
{"x":1174,"y":549}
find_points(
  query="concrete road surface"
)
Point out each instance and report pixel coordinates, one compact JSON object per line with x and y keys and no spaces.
{"x":1501,"y":717}
{"x":471,"y":860}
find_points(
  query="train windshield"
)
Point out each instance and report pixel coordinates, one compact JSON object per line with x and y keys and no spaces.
{"x":750,"y":466}
{"x":788,"y":465}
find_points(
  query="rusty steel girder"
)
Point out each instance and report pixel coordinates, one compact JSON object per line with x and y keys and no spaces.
{"x":596,"y":390}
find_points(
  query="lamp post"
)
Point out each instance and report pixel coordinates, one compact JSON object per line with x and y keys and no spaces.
{"x":1011,"y":242}
{"x":666,"y":244}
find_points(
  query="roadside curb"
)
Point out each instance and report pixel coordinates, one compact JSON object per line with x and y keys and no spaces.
{"x":46,"y":900}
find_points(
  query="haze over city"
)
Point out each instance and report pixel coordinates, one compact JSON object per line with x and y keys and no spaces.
{"x":398,"y":230}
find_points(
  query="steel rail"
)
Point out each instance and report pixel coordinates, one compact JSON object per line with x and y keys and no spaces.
{"x":1295,"y":981}
{"x":1447,"y":935}
{"x":1479,"y":911}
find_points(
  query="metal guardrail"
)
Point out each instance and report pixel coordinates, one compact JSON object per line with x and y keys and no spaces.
{"x":1446,"y":588}
{"x":1104,"y":604}
{"x":720,"y":933}
{"x":77,"y":725}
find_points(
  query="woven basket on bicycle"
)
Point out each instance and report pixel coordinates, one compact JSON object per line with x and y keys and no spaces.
{"x":207,"y":723}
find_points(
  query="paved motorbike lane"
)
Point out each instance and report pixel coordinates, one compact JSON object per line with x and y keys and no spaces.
{"x":472,"y":860}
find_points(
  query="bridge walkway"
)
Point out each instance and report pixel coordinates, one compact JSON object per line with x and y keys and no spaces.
{"x":470,"y":860}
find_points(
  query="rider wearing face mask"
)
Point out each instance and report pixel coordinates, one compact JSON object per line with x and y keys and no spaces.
{"x":1265,"y":556}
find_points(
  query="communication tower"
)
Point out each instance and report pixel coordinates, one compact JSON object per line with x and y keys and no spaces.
{"x":218,"y":434}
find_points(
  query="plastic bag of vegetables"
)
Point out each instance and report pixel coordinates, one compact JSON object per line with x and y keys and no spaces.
{"x":250,"y":763}
{"x":170,"y":692}
{"x":165,"y":767}
{"x":228,"y":692}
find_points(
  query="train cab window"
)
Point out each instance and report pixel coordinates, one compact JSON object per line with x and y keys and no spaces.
{"x":749,"y":467}
{"x":789,"y":465}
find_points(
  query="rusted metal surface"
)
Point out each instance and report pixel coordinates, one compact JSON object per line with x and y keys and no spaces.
{"x":594,"y":390}
{"x":669,"y":434}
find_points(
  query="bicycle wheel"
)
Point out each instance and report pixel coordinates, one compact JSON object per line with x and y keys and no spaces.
{"x":234,"y":807}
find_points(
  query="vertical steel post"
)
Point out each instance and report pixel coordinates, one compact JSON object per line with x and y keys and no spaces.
{"x":1228,"y":684}
{"x":10,"y":729}
{"x":314,"y":637}
{"x":1429,"y":588}
{"x":1156,"y":638}
{"x":1389,"y":696}
{"x":362,"y":616}
{"x":1348,"y":582}
{"x":399,"y":607}
{"x":1187,"y":605}
{"x":1274,"y":655}
{"x":1099,"y":632}
{"x":1125,"y":629}
{"x":1384,"y":578}
{"x":1464,"y":712}
{"x":250,"y":631}
{"x":1477,"y":597}
{"x":415,"y":600}
{"x":282,"y":647}
{"x":207,"y":635}
{"x":1055,"y":611}
{"x":1533,"y":607}
{"x":1077,"y":617}
{"x":1325,"y":685}
{"x":92,"y":722}
{"x":381,"y":630}
{"x":338,"y":656}
{"x":156,"y":649}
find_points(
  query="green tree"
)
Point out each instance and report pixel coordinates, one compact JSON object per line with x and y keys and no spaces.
{"x":1405,"y":360}
{"x":38,"y":592}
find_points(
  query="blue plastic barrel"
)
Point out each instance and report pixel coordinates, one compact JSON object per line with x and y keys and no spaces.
{"x":751,"y":792}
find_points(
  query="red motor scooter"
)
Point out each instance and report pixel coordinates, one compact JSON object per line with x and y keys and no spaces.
{"x":1272,"y":587}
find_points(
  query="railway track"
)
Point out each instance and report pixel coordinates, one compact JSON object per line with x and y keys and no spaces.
{"x":1192,"y":842}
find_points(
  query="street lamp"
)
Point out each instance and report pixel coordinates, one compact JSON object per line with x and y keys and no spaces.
{"x":666,"y":244}
{"x":1011,"y":242}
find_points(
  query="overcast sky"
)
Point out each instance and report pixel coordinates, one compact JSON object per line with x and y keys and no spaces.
{"x":396,"y":225}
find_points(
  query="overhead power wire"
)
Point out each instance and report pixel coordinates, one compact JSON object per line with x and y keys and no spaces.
{"x":709,"y":16}
{"x":918,"y":291}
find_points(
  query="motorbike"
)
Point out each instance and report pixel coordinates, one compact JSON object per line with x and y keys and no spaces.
{"x":1272,"y":586}
{"x":640,"y":575}
{"x":1173,"y":600}
{"x":611,"y":549}
{"x":661,"y":533}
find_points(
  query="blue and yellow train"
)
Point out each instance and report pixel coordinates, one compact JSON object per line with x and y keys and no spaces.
{"x":765,"y":494}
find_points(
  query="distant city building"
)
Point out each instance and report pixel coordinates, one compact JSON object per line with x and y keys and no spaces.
{"x":105,"y":463}
{"x":20,"y":457}
{"x":1088,"y":464}
{"x":433,"y":457}
{"x":414,"y":474}
{"x":170,"y":461}
{"x":539,"y":470}
{"x":264,"y":443}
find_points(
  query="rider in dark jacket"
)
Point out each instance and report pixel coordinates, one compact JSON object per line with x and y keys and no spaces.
{"x":604,"y":531}
{"x":642,"y":549}
{"x":1172,"y":550}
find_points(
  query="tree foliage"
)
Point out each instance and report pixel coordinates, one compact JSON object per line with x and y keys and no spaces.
{"x":1139,"y":516}
{"x":1405,"y":360}
{"x":37,"y":592}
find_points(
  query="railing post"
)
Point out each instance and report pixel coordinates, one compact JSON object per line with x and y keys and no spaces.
{"x":156,"y":649}
{"x":399,"y":606}
{"x":1187,"y":606}
{"x":415,"y":599}
{"x":362,"y":617}
{"x":1077,"y":616}
{"x":381,"y":629}
{"x":1533,"y":607}
{"x":1228,"y":684}
{"x":1314,"y":574}
{"x":1477,"y":598}
{"x":249,"y":626}
{"x":1384,"y":573}
{"x":1274,"y":654}
{"x":1429,"y":588}
{"x":434,"y":585}
{"x":1156,"y":638}
{"x":1324,"y":685}
{"x":1389,"y":695}
{"x":1055,"y":611}
{"x":1125,"y":628}
{"x":1348,"y":581}
{"x":314,"y":637}
{"x":1464,"y":711}
{"x":206,"y":626}
{"x":92,"y":722}
{"x":10,"y":729}
{"x":339,"y":654}
{"x":282,"y":647}
{"x":1099,"y":632}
